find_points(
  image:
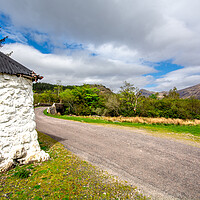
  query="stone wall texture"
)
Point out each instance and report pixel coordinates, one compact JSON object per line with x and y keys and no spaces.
{"x":18,"y":137}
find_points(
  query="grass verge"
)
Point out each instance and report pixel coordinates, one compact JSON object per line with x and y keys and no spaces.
{"x":191,"y":129}
{"x":65,"y":176}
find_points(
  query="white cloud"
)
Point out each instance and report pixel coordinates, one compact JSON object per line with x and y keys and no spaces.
{"x":79,"y":69}
{"x":114,"y":52}
{"x":181,"y":78}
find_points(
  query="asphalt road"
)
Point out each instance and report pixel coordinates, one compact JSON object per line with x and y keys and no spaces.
{"x":160,"y":167}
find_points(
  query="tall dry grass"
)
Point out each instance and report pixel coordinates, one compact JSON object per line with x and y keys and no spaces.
{"x":148,"y":120}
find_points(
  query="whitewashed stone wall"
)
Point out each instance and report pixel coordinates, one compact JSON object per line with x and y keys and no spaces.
{"x":18,"y":137}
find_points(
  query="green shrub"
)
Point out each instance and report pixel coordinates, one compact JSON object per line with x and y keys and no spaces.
{"x":22,"y":173}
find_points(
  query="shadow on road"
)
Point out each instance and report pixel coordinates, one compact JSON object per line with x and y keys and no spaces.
{"x":58,"y":139}
{"x":45,"y":142}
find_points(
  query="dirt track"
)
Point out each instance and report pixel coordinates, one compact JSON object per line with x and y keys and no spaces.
{"x":162,"y":168}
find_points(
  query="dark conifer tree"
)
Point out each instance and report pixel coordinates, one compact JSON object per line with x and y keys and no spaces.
{"x":2,"y":40}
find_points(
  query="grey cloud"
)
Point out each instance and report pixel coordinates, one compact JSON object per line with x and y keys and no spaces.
{"x":98,"y":21}
{"x":156,"y":27}
{"x":157,"y":30}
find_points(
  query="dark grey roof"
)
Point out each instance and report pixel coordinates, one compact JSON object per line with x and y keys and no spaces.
{"x":10,"y":66}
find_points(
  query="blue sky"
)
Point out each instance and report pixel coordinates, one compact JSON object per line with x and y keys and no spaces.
{"x":150,"y":44}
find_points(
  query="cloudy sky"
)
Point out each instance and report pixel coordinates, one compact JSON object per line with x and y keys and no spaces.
{"x":153,"y":44}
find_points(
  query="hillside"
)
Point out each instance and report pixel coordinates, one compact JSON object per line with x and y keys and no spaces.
{"x":193,"y":91}
{"x":103,"y":89}
{"x":146,"y":93}
{"x":41,"y":87}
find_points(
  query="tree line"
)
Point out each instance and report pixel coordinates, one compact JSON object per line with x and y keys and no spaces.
{"x":92,"y":100}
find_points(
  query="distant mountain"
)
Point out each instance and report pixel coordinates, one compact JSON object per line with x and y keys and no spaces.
{"x":161,"y":94}
{"x":146,"y":93}
{"x":193,"y":91}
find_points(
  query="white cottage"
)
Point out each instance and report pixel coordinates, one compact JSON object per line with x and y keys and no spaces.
{"x":18,"y":137}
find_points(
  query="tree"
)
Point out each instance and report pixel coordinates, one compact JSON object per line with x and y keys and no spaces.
{"x":58,"y":89}
{"x":173,"y":94}
{"x":129,"y":96}
{"x":86,"y":99}
{"x":154,"y":95}
{"x":2,"y":41}
{"x":113,"y":105}
{"x":83,"y":100}
{"x":46,"y":97}
{"x":67,"y":97}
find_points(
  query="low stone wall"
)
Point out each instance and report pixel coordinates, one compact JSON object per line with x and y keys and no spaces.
{"x":18,"y":137}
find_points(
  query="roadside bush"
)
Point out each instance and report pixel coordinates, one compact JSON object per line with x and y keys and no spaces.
{"x":87,"y":100}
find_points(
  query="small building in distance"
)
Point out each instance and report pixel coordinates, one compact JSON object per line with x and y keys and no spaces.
{"x":56,"y":108}
{"x":18,"y":137}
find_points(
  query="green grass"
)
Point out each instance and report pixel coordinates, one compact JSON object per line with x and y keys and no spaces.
{"x":65,"y":176}
{"x":21,"y":173}
{"x":191,"y":129}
